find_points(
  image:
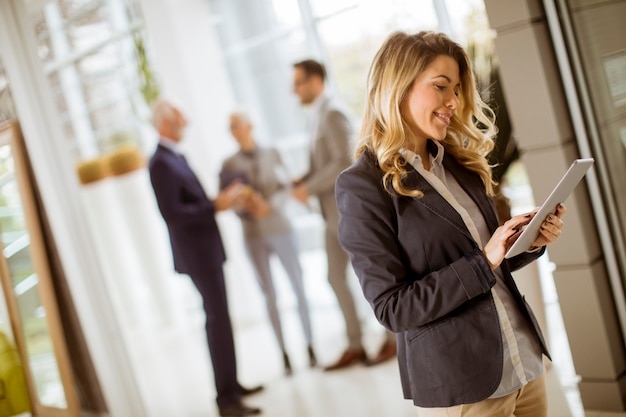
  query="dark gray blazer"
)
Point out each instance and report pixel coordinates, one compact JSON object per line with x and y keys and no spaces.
{"x":428,"y":281}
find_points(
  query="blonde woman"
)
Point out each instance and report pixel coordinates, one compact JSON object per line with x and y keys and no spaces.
{"x":418,"y":221}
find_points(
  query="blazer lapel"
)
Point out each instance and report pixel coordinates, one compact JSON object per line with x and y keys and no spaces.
{"x":474,"y":187}
{"x":433,"y":201}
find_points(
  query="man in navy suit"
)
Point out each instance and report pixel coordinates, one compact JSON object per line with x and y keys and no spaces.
{"x":197,"y":248}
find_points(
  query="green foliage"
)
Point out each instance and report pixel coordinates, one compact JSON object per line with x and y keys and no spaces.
{"x":149,"y":86}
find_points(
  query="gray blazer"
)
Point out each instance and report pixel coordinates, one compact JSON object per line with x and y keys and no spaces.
{"x":330,"y":154}
{"x":427,"y":280}
{"x":259,"y":170}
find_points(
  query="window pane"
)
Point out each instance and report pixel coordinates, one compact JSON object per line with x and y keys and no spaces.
{"x":91,"y":52}
{"x":238,"y":21}
{"x":287,"y":12}
{"x":323,"y":8}
{"x":261,"y":39}
{"x":262,"y":79}
{"x":353,"y":37}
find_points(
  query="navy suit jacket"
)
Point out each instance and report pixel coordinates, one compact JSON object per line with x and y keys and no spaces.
{"x":428,"y":281}
{"x":188,"y":213}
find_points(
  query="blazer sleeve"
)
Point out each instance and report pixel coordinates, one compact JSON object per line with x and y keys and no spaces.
{"x":523,"y":259}
{"x":337,"y":131}
{"x":401,"y":297}
{"x":177,"y":202}
{"x":279,"y":194}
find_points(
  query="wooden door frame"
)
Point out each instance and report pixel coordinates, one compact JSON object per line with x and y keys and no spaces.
{"x":10,"y":134}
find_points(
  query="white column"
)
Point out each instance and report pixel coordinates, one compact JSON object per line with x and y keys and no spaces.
{"x":144,"y":231}
{"x":135,"y":277}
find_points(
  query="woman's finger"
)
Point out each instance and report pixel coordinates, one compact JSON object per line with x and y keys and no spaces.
{"x":560,"y":210}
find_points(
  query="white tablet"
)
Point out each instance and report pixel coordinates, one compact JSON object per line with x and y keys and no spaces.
{"x":559,"y":194}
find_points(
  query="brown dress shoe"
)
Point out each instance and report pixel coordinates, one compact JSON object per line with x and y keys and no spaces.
{"x":348,"y":358}
{"x":386,"y":352}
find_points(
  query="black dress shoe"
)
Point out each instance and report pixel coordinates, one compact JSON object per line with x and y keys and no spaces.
{"x":287,"y":364}
{"x":249,"y":391}
{"x":312,"y":357}
{"x":238,"y":410}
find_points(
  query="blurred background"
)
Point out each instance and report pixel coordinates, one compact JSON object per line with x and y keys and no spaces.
{"x":95,"y":318}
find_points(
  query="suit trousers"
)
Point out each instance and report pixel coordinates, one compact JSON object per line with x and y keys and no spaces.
{"x":285,"y":247}
{"x":338,"y":261}
{"x":219,"y":335}
{"x":529,"y":401}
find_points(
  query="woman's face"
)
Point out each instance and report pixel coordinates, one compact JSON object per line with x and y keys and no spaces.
{"x":432,"y":99}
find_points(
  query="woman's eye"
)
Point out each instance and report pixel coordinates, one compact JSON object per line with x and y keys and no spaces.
{"x":441,"y":87}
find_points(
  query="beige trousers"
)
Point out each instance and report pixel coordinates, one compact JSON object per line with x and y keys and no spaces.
{"x":529,"y":401}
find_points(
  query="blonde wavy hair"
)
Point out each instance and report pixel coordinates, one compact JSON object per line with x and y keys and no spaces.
{"x":397,"y":64}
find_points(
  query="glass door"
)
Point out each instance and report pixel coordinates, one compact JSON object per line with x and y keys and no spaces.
{"x":25,"y":273}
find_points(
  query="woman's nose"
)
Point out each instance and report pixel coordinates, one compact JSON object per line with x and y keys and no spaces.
{"x":453,"y":101}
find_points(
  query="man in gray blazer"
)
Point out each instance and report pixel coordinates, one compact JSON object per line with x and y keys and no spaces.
{"x":330,"y":130}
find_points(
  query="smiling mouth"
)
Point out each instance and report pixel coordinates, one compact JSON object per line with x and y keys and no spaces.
{"x":444,"y":117}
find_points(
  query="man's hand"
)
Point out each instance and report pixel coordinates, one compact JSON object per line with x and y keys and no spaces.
{"x":229,"y":196}
{"x":300,"y":193}
{"x":257,"y":206}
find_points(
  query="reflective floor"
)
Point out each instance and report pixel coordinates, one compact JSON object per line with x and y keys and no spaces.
{"x":172,"y":368}
{"x":357,"y":391}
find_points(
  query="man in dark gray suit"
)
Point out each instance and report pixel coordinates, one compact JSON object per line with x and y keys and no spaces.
{"x":197,"y":249}
{"x":330,"y":153}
